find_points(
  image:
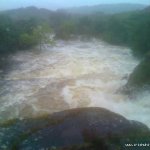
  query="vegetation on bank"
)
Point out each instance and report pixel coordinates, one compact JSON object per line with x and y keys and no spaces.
{"x":129,"y":29}
{"x":21,"y":34}
{"x":24,"y":28}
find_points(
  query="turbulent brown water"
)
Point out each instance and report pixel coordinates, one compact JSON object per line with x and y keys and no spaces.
{"x":69,"y":75}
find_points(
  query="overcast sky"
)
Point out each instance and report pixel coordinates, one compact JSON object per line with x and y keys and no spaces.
{"x":54,"y":4}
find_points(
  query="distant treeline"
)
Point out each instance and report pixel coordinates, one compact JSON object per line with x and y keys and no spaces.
{"x":19,"y":29}
{"x":128,"y":29}
{"x":20,"y":34}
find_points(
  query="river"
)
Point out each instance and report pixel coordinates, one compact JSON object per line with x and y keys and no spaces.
{"x":77,"y":73}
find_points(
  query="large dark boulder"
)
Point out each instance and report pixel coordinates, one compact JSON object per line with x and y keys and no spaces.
{"x":140,"y":76}
{"x":82,"y":128}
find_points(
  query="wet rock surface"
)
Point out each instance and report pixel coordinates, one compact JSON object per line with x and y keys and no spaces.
{"x":72,"y":127}
{"x":140,"y":77}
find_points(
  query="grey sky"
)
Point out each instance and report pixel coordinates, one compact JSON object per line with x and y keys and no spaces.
{"x":54,"y":4}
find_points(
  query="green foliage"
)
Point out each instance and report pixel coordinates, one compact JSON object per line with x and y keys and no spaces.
{"x":85,"y":25}
{"x":130,"y":29}
{"x":141,"y":38}
{"x":26,"y":40}
{"x":21,"y":34}
{"x":8,"y":36}
{"x":66,"y":30}
{"x":41,"y":33}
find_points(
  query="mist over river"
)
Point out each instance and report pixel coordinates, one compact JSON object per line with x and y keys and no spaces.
{"x":71,"y":74}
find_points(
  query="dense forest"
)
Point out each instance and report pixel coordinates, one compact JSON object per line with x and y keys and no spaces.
{"x":24,"y":28}
{"x":130,"y":28}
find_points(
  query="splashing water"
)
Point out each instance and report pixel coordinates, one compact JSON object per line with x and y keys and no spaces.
{"x":69,"y":75}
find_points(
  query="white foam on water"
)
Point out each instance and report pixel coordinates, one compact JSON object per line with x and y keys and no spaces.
{"x":85,"y":73}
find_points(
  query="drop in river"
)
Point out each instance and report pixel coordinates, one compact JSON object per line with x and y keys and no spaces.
{"x":71,"y":74}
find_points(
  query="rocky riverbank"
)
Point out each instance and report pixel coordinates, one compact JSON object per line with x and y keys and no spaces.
{"x":80,"y":128}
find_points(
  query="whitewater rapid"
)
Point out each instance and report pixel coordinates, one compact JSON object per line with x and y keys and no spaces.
{"x":68,"y":75}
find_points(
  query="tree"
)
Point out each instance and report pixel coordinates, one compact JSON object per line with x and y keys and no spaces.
{"x":141,"y":39}
{"x":42,"y":35}
{"x":67,"y":29}
{"x":27,"y":40}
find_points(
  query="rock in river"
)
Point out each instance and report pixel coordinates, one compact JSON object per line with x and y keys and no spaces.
{"x":82,"y":128}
